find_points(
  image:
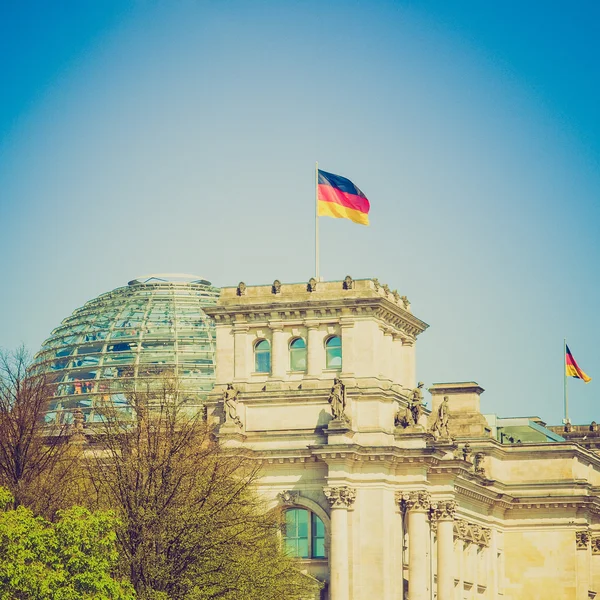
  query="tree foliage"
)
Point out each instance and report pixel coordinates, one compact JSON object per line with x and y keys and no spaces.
{"x":71,"y":559}
{"x":192,"y":527}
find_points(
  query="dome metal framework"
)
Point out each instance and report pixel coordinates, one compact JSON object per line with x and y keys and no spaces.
{"x":122,"y":340}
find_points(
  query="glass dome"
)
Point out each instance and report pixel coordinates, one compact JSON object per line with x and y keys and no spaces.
{"x":125,"y":338}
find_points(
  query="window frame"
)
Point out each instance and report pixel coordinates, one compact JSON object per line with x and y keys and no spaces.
{"x":328,"y":349}
{"x":295,"y":351}
{"x":312,"y":538}
{"x":260,"y":353}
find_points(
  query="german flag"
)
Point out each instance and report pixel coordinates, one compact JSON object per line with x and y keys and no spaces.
{"x":572,"y":368}
{"x":338,"y":197}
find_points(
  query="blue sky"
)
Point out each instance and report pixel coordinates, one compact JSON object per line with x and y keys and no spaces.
{"x":140,"y":137}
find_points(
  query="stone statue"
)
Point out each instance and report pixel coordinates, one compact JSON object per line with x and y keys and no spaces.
{"x":376,"y":283}
{"x":439,"y":428}
{"x":386,"y":289}
{"x":416,"y":403}
{"x":348,"y":283}
{"x":230,"y":403}
{"x":396,"y":295}
{"x":337,"y":399}
{"x":276,"y":288}
{"x":467,"y":452}
{"x":241,"y":289}
{"x":312,"y":285}
{"x":405,"y":301}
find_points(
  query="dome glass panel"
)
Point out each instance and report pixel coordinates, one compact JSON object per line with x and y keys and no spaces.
{"x":123,"y":339}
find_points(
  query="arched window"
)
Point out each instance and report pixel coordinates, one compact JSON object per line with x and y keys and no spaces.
{"x":333,"y":352}
{"x":298,"y":355}
{"x":262,"y":357}
{"x":304,"y":534}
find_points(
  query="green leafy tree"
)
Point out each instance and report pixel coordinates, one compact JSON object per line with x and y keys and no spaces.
{"x":192,"y":526}
{"x":72,"y":559}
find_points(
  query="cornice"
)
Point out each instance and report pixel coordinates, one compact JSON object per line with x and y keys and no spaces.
{"x":322,"y":309}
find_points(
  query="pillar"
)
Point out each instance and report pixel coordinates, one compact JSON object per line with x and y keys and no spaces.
{"x":279,"y":353}
{"x":397,"y":360}
{"x":416,"y":506}
{"x":409,"y":378}
{"x":340,"y":499}
{"x":241,"y":351}
{"x":445,"y":549}
{"x":347,"y":335}
{"x":314,"y":354}
{"x":582,"y":540}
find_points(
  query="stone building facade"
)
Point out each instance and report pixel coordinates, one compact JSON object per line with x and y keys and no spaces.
{"x":384,"y":499}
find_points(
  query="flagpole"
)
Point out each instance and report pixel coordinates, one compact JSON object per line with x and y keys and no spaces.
{"x":566,"y":393}
{"x":317,"y":221}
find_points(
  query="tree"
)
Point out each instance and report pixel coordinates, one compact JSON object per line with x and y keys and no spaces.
{"x":72,"y":559}
{"x":35,"y":458}
{"x":192,"y":527}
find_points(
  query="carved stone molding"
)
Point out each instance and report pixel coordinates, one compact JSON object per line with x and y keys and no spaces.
{"x":288,"y":497}
{"x":582,"y":538}
{"x":445,"y":510}
{"x":414,"y":500}
{"x":596,"y":545}
{"x":340,"y":497}
{"x":472,"y":533}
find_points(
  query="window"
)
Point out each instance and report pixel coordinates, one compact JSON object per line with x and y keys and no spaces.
{"x":262,"y":357}
{"x":333,"y":352}
{"x":298,"y":355}
{"x":304,"y":534}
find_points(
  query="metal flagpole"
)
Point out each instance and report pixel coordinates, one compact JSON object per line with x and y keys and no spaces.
{"x":565,"y":380}
{"x":317,"y":221}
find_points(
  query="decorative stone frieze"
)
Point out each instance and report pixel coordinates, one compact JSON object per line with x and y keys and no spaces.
{"x":472,"y":533}
{"x":582,"y":538}
{"x":340,"y":497}
{"x":289,"y":497}
{"x":414,"y":500}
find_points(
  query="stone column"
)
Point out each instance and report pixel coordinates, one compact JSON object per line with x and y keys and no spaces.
{"x":279,"y":354}
{"x":445,"y":549}
{"x":595,"y":564}
{"x":314,"y":354}
{"x":240,"y":350}
{"x":416,"y":506}
{"x":397,"y":360}
{"x":409,"y":373}
{"x":387,"y":360}
{"x":582,"y":539}
{"x":340,"y":499}
{"x":347,"y":335}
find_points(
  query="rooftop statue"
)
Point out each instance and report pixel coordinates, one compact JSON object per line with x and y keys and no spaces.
{"x":439,"y":428}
